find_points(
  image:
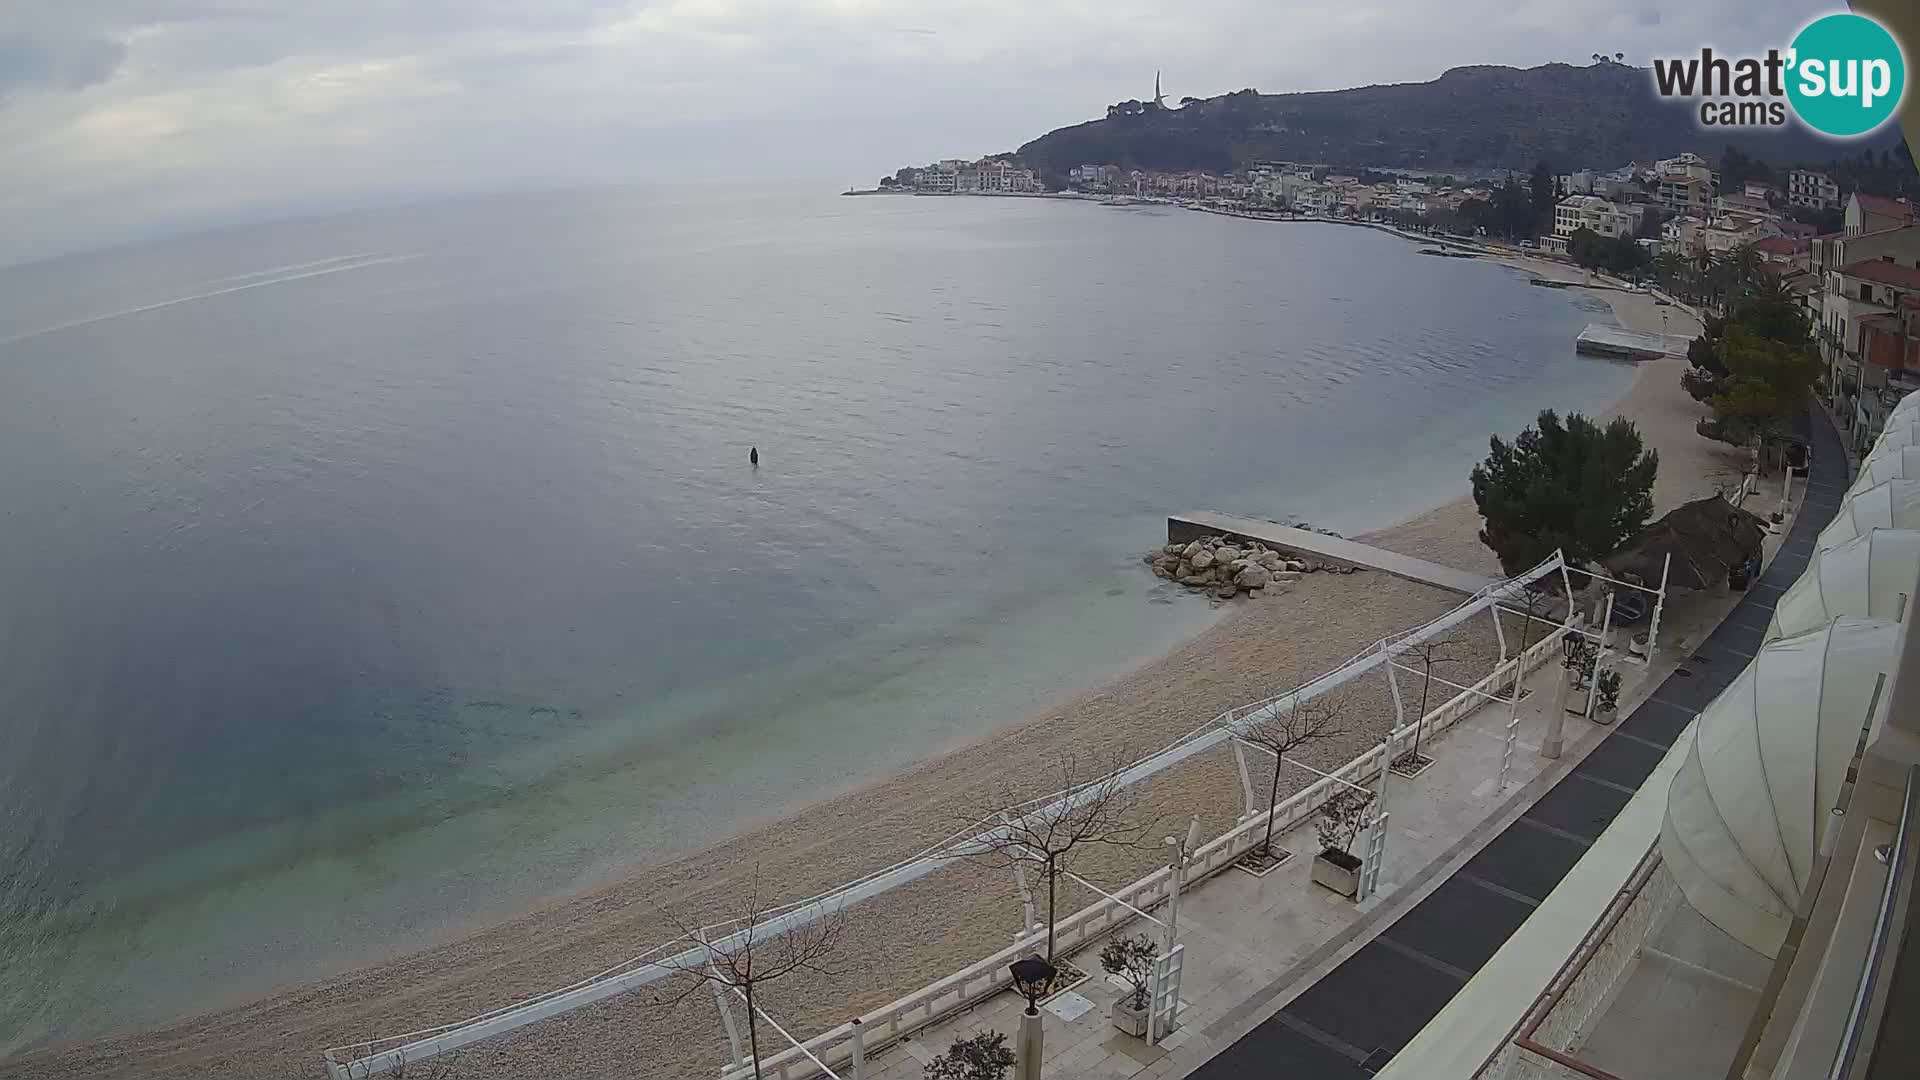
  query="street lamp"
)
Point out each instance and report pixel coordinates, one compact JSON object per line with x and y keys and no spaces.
{"x":1032,"y":977}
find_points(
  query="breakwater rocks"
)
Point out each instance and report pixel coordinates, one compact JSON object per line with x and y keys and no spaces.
{"x":1228,"y":568}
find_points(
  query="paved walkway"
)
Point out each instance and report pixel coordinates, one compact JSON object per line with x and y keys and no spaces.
{"x":1252,"y":940}
{"x":1323,"y":548}
{"x":1352,"y":1021}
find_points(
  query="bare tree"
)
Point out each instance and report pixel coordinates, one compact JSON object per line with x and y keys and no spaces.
{"x":752,"y":956}
{"x":1091,"y":809}
{"x":1444,"y":650}
{"x":1285,"y":727}
{"x":1533,"y":600}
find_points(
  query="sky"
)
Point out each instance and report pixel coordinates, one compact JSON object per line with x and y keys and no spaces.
{"x":122,"y":118}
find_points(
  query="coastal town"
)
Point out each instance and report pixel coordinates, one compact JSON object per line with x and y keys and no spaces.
{"x":1851,"y":257}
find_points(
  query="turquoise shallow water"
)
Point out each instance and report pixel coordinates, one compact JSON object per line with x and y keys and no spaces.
{"x":367,"y":577}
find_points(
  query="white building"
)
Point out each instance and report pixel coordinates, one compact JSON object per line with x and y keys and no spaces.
{"x":1314,"y":199}
{"x":1815,"y":189}
{"x":1861,"y":276}
{"x":1684,"y":193}
{"x":1684,"y":236}
{"x":1729,"y":233}
{"x":1578,"y":183}
{"x":1576,"y":212}
{"x":937,"y":179}
{"x":1690,"y":166}
{"x":1874,"y":213}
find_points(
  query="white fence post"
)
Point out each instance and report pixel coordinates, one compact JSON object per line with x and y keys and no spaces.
{"x":859,"y":1040}
{"x":1377,"y":826}
{"x":1659,"y":602}
{"x":1600,"y":655}
{"x":1246,"y":780}
{"x":726,"y":1013}
{"x":1027,"y":913}
{"x":1513,"y":721}
{"x":1393,"y":684}
{"x":1163,"y":1002}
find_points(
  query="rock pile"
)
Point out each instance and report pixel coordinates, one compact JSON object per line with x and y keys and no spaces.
{"x":1228,"y":569}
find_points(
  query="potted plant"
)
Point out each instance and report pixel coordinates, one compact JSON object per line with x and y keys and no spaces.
{"x":980,"y":1057}
{"x":1607,"y":696}
{"x":1581,"y":656}
{"x":1132,"y":959}
{"x":1341,"y":818}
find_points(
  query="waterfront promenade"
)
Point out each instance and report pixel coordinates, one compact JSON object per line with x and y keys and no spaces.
{"x":1285,"y":978}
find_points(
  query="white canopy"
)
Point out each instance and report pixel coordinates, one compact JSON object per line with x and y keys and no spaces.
{"x":1747,"y":808}
{"x":1867,"y":575}
{"x":1900,"y":431}
{"x":1905,"y":411}
{"x":1889,"y":463}
{"x":1890,"y":504}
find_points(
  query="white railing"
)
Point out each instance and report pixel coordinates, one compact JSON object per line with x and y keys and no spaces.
{"x":373,"y":1058}
{"x":942,"y":998}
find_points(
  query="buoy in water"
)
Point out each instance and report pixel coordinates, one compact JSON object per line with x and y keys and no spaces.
{"x":753,"y":455}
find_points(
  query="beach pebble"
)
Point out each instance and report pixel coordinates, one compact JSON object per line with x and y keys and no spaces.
{"x":1192,"y":549}
{"x":1201,"y":559}
{"x":1251,"y":577}
{"x":1228,"y":554}
{"x":1226,"y":592}
{"x":1175,"y":549}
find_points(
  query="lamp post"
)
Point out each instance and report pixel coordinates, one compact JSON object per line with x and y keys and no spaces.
{"x":1032,"y":977}
{"x":1183,"y":849}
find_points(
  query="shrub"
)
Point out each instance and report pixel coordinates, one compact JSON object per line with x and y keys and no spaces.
{"x":1132,"y":959}
{"x":979,"y":1057}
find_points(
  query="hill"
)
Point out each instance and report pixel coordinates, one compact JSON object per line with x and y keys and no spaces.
{"x":1470,"y":118}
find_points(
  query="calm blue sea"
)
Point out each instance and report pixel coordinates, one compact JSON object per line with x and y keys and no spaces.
{"x":364,"y":577}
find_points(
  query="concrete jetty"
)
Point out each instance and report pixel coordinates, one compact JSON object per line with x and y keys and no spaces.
{"x":1622,"y":344}
{"x":1319,"y":547}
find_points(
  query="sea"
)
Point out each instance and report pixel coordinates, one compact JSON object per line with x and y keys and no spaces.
{"x":370,"y":577}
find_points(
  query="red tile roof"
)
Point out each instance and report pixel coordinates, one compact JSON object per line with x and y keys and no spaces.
{"x":1883,"y":272}
{"x":1881,"y":206}
{"x":1777,"y":245}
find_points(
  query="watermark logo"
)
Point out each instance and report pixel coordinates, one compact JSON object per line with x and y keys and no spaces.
{"x":1844,"y":75}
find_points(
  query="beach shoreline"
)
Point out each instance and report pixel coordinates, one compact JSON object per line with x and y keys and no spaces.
{"x":1259,"y":646}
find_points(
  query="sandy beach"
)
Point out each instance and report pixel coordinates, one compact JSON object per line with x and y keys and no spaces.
{"x":912,"y":935}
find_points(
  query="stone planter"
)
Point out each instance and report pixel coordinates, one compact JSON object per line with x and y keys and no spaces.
{"x":1130,"y":1020}
{"x":1338,"y":871}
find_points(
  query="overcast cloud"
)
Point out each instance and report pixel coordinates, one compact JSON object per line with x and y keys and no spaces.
{"x":123,"y":116}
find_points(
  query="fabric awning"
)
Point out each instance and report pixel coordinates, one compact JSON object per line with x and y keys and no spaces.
{"x":1747,"y":809}
{"x":1890,"y":504}
{"x":1901,"y":431}
{"x":1875,"y":574}
{"x":1888,"y":463}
